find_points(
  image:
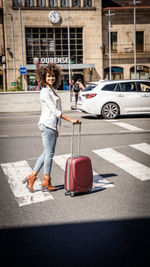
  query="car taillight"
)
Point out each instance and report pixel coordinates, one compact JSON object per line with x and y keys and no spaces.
{"x":90,"y":96}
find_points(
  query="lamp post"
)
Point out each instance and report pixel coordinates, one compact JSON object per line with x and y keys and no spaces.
{"x":134,"y":19}
{"x":68,"y":26}
{"x":12,"y":31}
{"x":109,"y":40}
{"x":134,"y":3}
{"x":21,"y":39}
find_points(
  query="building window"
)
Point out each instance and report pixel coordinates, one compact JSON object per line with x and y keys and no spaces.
{"x":64,"y":3}
{"x":116,"y":73}
{"x":41,"y":3}
{"x":142,"y":72}
{"x":15,"y":3}
{"x":53,"y":43}
{"x":139,"y":41}
{"x":53,"y":3}
{"x":87,"y":3}
{"x":114,"y":42}
{"x":29,"y":2}
{"x":76,"y":3}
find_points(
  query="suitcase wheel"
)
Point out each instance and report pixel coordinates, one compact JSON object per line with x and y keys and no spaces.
{"x":67,"y":193}
{"x":72,"y":194}
{"x":89,"y":191}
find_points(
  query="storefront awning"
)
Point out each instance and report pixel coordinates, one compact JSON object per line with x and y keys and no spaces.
{"x":66,"y":66}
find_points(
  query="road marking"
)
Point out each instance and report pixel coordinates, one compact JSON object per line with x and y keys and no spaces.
{"x":143,"y":147}
{"x":60,"y":160}
{"x":15,"y":172}
{"x":110,"y":120}
{"x":18,"y":125}
{"x":135,"y":168}
{"x":128,"y":126}
{"x":98,"y":181}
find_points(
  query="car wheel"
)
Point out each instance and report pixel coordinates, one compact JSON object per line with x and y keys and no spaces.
{"x":110,"y":111}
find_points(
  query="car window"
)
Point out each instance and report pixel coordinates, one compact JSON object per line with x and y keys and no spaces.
{"x":111,"y":87}
{"x":143,"y":86}
{"x":89,"y":87}
{"x":128,"y":87}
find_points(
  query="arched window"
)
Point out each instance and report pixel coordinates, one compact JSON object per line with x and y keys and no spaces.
{"x":142,"y":72}
{"x":116,"y":73}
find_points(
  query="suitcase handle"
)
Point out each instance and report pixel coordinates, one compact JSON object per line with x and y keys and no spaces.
{"x":72,"y":139}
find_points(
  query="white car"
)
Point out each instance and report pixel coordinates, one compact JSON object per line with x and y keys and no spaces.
{"x":90,"y":86}
{"x":113,"y":98}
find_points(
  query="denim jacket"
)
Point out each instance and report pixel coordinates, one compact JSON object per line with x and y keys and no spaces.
{"x":51,"y":108}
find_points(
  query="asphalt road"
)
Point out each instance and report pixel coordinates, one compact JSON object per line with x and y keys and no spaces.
{"x":110,"y":226}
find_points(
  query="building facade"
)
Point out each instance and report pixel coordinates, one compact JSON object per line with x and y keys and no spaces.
{"x":73,"y":34}
{"x":122,"y":39}
{"x":45,"y":38}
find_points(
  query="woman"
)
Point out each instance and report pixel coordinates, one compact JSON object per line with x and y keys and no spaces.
{"x":50,"y":79}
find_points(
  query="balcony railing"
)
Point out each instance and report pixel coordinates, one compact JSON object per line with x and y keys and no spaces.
{"x":127,"y":49}
{"x":55,"y":3}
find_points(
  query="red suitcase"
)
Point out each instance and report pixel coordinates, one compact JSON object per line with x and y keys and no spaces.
{"x":78,"y":171}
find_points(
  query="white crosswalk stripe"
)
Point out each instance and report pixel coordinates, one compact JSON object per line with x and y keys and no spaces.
{"x":128,"y":126}
{"x":15,"y":172}
{"x":60,"y":160}
{"x":98,"y":180}
{"x":143,"y":147}
{"x":129,"y":165}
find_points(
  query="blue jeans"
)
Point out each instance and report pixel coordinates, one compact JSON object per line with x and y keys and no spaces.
{"x":49,"y":143}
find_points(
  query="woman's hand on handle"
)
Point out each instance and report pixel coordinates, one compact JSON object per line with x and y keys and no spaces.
{"x":75,"y":121}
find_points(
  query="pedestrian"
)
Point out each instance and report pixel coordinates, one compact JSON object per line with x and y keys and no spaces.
{"x":77,"y":87}
{"x":51,"y":115}
{"x":71,"y":83}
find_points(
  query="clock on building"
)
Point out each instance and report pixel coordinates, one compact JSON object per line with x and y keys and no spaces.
{"x":54,"y":17}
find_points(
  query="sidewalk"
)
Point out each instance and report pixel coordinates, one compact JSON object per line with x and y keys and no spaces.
{"x":28,"y":101}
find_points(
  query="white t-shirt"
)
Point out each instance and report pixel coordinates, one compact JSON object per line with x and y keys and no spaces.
{"x":51,"y":108}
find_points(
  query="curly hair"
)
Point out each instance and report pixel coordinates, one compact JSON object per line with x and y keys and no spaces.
{"x":52,"y":69}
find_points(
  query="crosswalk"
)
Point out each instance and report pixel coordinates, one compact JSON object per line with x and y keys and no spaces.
{"x":16,"y":171}
{"x":143,"y":147}
{"x":129,"y":165}
{"x":127,"y":126}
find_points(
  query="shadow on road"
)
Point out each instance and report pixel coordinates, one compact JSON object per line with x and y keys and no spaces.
{"x":104,"y":243}
{"x":90,"y":117}
{"x":98,"y":117}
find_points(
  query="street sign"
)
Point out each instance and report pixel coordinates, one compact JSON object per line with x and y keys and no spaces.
{"x":23,"y":70}
{"x":13,"y":83}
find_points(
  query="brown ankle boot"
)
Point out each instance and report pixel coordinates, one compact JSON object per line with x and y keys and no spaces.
{"x":46,"y":183}
{"x":30,"y":180}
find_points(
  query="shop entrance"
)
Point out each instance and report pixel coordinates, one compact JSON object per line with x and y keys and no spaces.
{"x":32,"y":81}
{"x":116,"y":73}
{"x":75,"y":75}
{"x":142,"y":72}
